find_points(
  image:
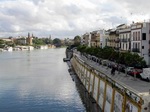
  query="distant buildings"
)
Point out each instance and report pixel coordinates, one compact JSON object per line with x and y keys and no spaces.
{"x":94,"y":39}
{"x":134,"y":38}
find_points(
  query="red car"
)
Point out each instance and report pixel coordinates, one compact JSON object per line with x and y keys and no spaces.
{"x":136,"y":72}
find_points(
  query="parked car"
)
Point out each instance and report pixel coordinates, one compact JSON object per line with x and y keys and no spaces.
{"x":129,"y":69}
{"x":145,"y":74}
{"x":104,"y":62}
{"x":133,"y":71}
{"x":121,"y":68}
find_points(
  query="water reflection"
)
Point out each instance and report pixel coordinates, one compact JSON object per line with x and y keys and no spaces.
{"x":37,"y":81}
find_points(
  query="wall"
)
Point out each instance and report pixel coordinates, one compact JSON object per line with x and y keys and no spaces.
{"x":109,"y":95}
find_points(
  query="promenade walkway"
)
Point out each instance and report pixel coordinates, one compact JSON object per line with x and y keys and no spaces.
{"x":136,"y":85}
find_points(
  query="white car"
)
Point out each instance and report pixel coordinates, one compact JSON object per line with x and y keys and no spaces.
{"x":145,"y":74}
{"x":129,"y":69}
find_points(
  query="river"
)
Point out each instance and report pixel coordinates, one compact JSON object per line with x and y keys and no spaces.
{"x":37,"y":81}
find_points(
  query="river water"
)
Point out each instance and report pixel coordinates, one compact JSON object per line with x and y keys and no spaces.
{"x":37,"y":81}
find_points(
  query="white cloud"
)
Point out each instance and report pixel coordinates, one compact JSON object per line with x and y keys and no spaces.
{"x":67,"y":18}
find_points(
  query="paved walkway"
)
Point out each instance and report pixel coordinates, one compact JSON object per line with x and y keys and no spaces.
{"x":137,"y":85}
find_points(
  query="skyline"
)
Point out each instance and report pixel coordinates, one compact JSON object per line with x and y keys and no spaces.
{"x":67,"y":18}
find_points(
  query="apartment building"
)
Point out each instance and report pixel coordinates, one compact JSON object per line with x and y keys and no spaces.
{"x":103,"y":38}
{"x":140,"y":38}
{"x":111,"y":39}
{"x":134,"y":38}
{"x":86,"y":39}
{"x":95,"y":39}
{"x":125,"y":38}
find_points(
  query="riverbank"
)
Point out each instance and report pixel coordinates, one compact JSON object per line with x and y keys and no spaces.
{"x":88,"y":101}
{"x":94,"y":76}
{"x":23,"y":48}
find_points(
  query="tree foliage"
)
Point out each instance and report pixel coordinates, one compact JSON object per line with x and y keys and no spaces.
{"x":77,"y":40}
{"x":127,"y":58}
{"x":2,"y":42}
{"x":42,"y":41}
{"x":57,"y":42}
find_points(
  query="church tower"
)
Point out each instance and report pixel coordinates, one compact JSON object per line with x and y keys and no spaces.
{"x":29,"y":39}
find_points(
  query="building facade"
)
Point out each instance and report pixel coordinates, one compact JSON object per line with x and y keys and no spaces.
{"x":102,"y":38}
{"x":85,"y":39}
{"x":125,"y":38}
{"x":140,"y":38}
{"x":111,"y":39}
{"x":95,"y":39}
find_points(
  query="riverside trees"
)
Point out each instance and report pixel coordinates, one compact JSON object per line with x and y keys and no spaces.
{"x":126,"y":58}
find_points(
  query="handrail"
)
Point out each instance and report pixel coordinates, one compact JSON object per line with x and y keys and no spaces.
{"x":130,"y":93}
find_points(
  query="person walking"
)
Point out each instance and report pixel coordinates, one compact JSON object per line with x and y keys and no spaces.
{"x":113,"y":70}
{"x":119,"y":68}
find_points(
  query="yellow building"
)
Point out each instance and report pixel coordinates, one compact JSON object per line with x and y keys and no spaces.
{"x":86,"y":39}
{"x":95,"y":39}
{"x":113,"y":39}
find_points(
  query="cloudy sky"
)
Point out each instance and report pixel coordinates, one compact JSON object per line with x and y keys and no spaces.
{"x":67,"y":18}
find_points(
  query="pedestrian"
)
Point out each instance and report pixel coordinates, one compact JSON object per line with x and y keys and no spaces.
{"x":113,"y":70}
{"x":119,"y":68}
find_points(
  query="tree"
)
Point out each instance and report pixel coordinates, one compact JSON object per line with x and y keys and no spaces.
{"x":127,"y":58}
{"x":38,"y":41}
{"x":57,"y":42}
{"x":2,"y":41}
{"x":77,"y":40}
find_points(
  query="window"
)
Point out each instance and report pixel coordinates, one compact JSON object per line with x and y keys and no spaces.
{"x":133,"y":36}
{"x":138,"y":45}
{"x":143,"y":36}
{"x":138,"y":35}
{"x":142,"y":47}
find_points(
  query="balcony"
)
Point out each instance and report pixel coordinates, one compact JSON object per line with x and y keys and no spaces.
{"x":111,"y":40}
{"x":117,"y":48}
{"x":124,"y":40}
{"x":135,"y":50}
{"x":117,"y":40}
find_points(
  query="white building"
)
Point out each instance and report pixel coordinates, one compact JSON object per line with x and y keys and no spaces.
{"x":22,"y":41}
{"x":124,"y":38}
{"x":103,"y":38}
{"x":140,"y":36}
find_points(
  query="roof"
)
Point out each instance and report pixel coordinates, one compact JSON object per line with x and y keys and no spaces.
{"x":7,"y":40}
{"x":120,"y":25}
